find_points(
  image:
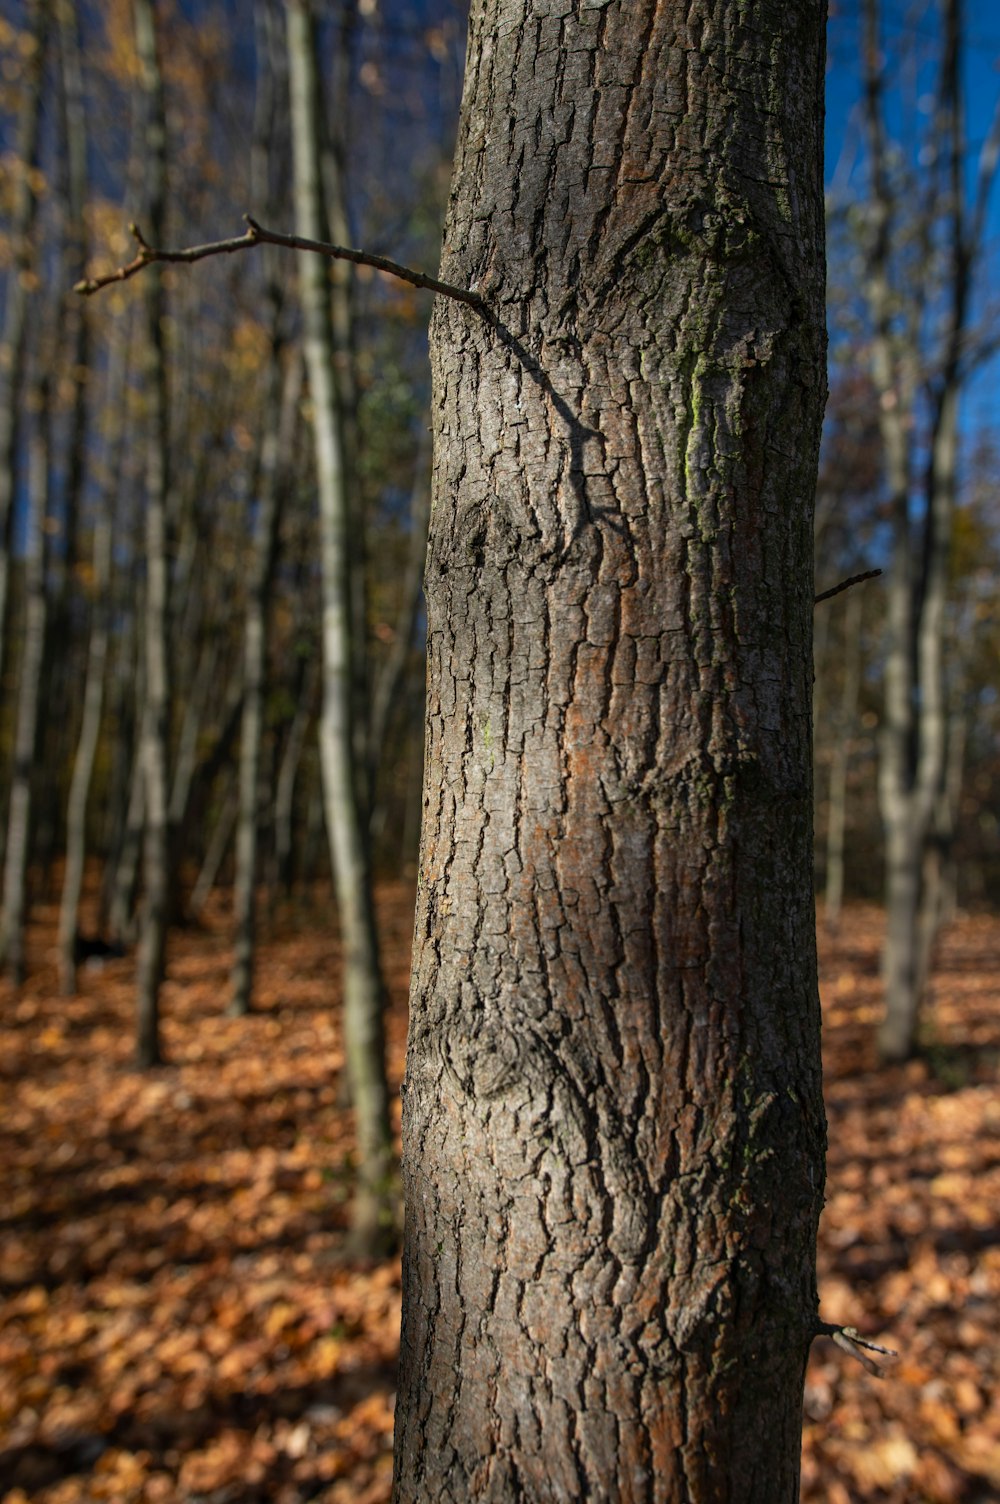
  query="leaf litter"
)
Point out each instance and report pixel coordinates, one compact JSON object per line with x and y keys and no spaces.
{"x":179,"y":1323}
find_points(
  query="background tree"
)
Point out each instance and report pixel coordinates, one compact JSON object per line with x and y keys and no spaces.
{"x":613,"y":1127}
{"x":155,"y":718}
{"x":19,"y":282}
{"x":339,"y":743}
{"x":922,"y":352}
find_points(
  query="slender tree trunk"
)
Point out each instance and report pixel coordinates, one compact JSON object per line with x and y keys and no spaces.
{"x":203,"y":690}
{"x":898,"y":736}
{"x":155,"y":719}
{"x":389,"y":683}
{"x":265,"y":493}
{"x":83,"y":766}
{"x":334,"y":152}
{"x":613,"y":1122}
{"x":939,"y":876}
{"x":62,"y":668}
{"x":280,"y":414}
{"x":17,"y":297}
{"x":363,"y":996}
{"x":912,"y":767}
{"x":215,"y":854}
{"x":16,"y":853}
{"x":97,"y":660}
{"x":840,"y":762}
{"x":121,"y":907}
{"x":284,"y":793}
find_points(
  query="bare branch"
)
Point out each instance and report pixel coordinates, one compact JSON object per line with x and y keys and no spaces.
{"x":850,"y":1340}
{"x":256,"y":234}
{"x":855,"y":579}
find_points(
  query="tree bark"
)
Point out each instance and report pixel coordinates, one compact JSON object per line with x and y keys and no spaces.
{"x":363,"y":993}
{"x":613,"y":1123}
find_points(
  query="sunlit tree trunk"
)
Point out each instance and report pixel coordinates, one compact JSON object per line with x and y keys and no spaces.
{"x":912,"y":764}
{"x":613,"y":1123}
{"x":155,"y":727}
{"x":363,"y":996}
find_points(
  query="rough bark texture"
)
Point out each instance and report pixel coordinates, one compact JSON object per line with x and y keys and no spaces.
{"x":613,"y":1125}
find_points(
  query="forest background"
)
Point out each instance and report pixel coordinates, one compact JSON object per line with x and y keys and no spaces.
{"x":163,"y":686}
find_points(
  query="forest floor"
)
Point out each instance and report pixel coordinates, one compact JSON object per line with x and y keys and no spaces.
{"x":179,"y":1324}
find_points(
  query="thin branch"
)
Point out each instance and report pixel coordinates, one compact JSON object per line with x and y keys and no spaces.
{"x":256,"y":234}
{"x":850,"y":1341}
{"x":855,"y":579}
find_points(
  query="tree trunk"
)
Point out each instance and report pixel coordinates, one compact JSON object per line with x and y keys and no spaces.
{"x":280,"y":413}
{"x":15,"y":873}
{"x":17,"y":295}
{"x":388,"y":696}
{"x":215,"y":853}
{"x":284,"y":792}
{"x":156,"y":716}
{"x":97,"y":661}
{"x":949,"y":225}
{"x":278,"y":424}
{"x":613,"y":1121}
{"x":939,"y":874}
{"x":363,"y":997}
{"x":840,"y":761}
{"x":125,"y":867}
{"x":83,"y":764}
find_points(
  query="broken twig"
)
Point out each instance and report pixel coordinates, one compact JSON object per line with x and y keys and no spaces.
{"x":854,"y":579}
{"x":850,"y":1340}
